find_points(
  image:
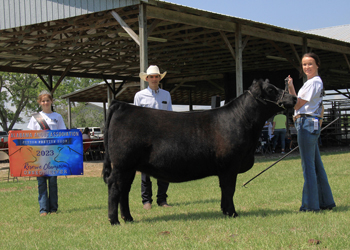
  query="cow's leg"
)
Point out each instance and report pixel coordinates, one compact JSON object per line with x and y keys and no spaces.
{"x":228,"y":186}
{"x":125,"y":181}
{"x":113,"y":200}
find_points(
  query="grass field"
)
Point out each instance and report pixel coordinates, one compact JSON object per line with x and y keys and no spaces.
{"x":267,"y":208}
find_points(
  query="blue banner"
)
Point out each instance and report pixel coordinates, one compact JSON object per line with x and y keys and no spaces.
{"x":46,"y":152}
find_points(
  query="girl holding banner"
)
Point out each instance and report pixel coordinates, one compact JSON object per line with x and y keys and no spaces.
{"x":46,"y":120}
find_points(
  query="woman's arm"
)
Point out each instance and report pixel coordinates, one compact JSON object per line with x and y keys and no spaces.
{"x":299,"y":104}
{"x":291,"y":89}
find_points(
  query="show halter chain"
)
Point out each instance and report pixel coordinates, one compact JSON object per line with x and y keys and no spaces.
{"x":266,"y":100}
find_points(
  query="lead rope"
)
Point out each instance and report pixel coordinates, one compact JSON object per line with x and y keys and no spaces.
{"x":244,"y":185}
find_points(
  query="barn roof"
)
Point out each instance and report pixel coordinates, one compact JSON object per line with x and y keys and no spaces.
{"x":196,"y":47}
{"x":341,"y":32}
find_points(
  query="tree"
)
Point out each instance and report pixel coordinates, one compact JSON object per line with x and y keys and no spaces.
{"x":84,"y":115}
{"x":21,"y":90}
{"x":81,"y":116}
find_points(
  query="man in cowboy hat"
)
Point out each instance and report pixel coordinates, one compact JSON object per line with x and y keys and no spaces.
{"x":153,"y":97}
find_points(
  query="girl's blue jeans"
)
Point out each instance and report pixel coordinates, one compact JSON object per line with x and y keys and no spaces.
{"x":48,"y":201}
{"x":317,"y":192}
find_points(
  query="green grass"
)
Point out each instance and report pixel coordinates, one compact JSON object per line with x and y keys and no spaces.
{"x":267,"y":208}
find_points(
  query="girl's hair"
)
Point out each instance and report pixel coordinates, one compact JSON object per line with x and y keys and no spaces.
{"x":86,"y":130}
{"x":315,"y":57}
{"x":43,"y":94}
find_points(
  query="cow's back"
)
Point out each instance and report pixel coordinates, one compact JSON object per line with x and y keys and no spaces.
{"x":173,"y":146}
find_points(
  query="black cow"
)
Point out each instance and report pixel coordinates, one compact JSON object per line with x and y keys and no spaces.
{"x":178,"y":147}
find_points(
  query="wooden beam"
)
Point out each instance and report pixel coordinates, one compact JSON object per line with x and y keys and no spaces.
{"x":269,"y":35}
{"x":295,"y":53}
{"x":239,"y":64}
{"x":69,"y":114}
{"x":328,"y":46}
{"x":44,"y":81}
{"x":246,"y":39}
{"x":228,"y":44}
{"x":347,"y":60}
{"x":195,"y":78}
{"x":278,"y":48}
{"x":199,"y":21}
{"x":153,"y":26}
{"x":126,"y":27}
{"x":143,"y":42}
{"x":63,"y":75}
{"x":216,"y":85}
{"x":178,"y":86}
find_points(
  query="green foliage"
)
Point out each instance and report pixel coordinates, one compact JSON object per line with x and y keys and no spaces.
{"x":19,"y":89}
{"x":268,"y":214}
{"x":22,"y":91}
{"x":82,"y":116}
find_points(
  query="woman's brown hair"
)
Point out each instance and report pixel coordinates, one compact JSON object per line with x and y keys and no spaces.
{"x":43,"y":94}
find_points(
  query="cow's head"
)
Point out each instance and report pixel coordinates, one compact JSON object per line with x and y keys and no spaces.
{"x":268,"y":94}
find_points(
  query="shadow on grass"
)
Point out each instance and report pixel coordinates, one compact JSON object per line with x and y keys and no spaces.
{"x":186,"y":203}
{"x":85,"y":209}
{"x":214,"y":215}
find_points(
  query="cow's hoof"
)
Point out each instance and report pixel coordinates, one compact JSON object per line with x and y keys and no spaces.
{"x":114,"y":222}
{"x":128,"y":219}
{"x":230,"y":214}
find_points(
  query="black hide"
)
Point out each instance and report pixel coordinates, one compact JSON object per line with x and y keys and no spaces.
{"x":178,"y":147}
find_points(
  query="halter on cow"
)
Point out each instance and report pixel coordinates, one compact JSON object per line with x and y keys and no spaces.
{"x":178,"y":147}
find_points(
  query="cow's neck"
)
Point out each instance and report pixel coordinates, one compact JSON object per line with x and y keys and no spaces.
{"x":254,"y":112}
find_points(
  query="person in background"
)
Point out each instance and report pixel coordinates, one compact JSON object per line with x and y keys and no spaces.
{"x":308,"y":114}
{"x":268,"y":127}
{"x":156,"y":98}
{"x":86,"y":133}
{"x":279,"y":131}
{"x":48,"y":201}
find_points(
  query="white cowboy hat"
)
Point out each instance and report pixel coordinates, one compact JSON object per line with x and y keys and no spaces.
{"x":152,"y":70}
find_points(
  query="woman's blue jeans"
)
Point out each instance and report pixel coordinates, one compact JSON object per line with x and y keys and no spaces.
{"x":316,"y":191}
{"x":48,"y":201}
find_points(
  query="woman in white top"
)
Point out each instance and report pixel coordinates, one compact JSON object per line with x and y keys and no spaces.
{"x":48,"y":202}
{"x":308,"y":114}
{"x":86,"y":134}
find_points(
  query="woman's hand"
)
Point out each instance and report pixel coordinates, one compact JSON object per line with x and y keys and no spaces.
{"x":290,"y":80}
{"x":291,"y":86}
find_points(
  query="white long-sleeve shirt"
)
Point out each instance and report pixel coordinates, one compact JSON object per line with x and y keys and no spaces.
{"x":150,"y":99}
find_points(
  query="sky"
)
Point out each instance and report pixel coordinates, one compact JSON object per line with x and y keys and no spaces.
{"x":298,"y":15}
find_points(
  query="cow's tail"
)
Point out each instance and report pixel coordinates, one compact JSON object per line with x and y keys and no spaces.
{"x":107,"y":166}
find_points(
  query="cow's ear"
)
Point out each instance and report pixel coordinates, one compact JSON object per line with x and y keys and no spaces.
{"x":256,"y":86}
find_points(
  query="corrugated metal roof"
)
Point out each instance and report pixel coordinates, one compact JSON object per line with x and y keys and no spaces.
{"x":16,"y":13}
{"x":341,"y":32}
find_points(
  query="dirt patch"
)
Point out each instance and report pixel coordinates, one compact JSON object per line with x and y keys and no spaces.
{"x":91,"y":169}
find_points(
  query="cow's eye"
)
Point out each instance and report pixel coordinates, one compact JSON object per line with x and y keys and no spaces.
{"x":272,"y":91}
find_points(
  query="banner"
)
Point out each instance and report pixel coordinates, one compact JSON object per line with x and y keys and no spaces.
{"x":45,"y":152}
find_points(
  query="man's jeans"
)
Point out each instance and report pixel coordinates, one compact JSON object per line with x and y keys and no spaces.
{"x":277,"y":134}
{"x":48,"y":201}
{"x":316,"y":191}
